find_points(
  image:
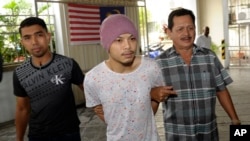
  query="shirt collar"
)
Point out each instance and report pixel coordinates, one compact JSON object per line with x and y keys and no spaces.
{"x":196,"y":49}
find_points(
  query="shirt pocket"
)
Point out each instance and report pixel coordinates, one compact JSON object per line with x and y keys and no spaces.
{"x":207,"y":79}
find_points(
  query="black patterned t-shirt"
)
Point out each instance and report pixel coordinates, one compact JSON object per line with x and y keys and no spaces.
{"x":51,"y":97}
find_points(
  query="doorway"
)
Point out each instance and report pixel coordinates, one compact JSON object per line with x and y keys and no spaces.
{"x":239,"y":45}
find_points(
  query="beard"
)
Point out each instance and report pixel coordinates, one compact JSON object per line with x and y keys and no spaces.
{"x":127,"y":64}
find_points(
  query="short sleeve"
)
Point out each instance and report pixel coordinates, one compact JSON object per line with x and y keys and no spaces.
{"x":159,"y":79}
{"x":90,"y":91}
{"x":222,"y":77}
{"x":18,"y":89}
{"x":77,"y":74}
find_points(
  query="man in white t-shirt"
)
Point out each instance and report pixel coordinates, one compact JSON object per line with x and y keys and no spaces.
{"x":120,"y":86}
{"x":204,"y":40}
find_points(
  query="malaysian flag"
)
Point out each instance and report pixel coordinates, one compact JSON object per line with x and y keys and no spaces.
{"x":85,"y":21}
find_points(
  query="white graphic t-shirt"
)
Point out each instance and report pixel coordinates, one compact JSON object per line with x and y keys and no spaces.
{"x":125,"y":99}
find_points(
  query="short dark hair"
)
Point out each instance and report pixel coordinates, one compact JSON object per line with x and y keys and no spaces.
{"x":179,"y":12}
{"x":32,"y":21}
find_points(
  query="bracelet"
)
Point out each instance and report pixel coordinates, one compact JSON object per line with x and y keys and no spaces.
{"x":235,"y":122}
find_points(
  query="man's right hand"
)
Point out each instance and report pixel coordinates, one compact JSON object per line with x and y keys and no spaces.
{"x":161,"y":93}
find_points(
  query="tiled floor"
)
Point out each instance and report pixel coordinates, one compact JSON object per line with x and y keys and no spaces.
{"x":93,"y":129}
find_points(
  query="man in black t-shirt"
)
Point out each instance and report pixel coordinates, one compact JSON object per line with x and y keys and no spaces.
{"x":42,"y":85}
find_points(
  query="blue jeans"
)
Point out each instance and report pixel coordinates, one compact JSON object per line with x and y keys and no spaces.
{"x":65,"y":137}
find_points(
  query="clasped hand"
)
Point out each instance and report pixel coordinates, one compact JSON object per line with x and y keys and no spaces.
{"x":161,"y":93}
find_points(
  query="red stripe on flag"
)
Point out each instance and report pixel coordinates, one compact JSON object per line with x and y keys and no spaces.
{"x":84,"y":17}
{"x":83,"y":28}
{"x":87,"y":12}
{"x":84,"y":24}
{"x":77,"y":34}
{"x":84,"y":39}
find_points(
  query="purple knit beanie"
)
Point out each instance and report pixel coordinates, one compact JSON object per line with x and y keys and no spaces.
{"x":113,"y":26}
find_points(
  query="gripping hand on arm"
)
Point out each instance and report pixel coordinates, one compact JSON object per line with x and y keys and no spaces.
{"x":99,"y":112}
{"x":160,"y":94}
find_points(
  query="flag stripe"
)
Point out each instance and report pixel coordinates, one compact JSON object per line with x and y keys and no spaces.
{"x":84,"y":39}
{"x":83,"y":31}
{"x":83,"y":28}
{"x":84,"y":17}
{"x":84,"y":24}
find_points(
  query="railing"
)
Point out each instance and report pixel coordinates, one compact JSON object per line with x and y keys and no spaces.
{"x":240,"y":57}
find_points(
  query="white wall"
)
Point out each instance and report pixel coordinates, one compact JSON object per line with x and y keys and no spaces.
{"x":213,"y":13}
{"x":7,"y":98}
{"x":210,"y":13}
